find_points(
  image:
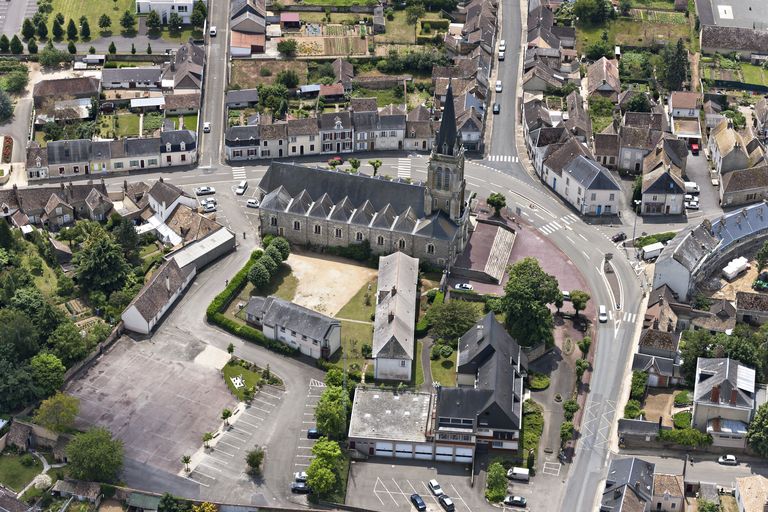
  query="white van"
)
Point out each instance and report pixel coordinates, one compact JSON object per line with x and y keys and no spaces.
{"x":691,"y":187}
{"x":602,"y":314}
{"x":517,"y":473}
{"x":212,"y":32}
{"x":652,"y":251}
{"x":241,"y":188}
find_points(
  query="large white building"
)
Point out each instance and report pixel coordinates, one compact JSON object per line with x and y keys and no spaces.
{"x":165,"y":7}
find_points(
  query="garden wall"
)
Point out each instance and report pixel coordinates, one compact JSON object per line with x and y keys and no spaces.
{"x":96,"y":352}
{"x":360,"y":9}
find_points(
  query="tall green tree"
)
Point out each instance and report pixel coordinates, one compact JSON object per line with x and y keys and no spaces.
{"x":19,"y":337}
{"x":127,"y":21}
{"x":47,"y":373}
{"x":153,"y":21}
{"x":331,"y":412}
{"x":105,"y":22}
{"x":282,"y":245}
{"x":321,"y":477}
{"x":174,"y":22}
{"x":287,"y":47}
{"x":100,"y":265}
{"x":762,"y":257}
{"x":757,"y":432}
{"x":32,"y":49}
{"x":526,"y":295}
{"x":5,"y":44}
{"x":198,"y":16}
{"x":58,"y":412}
{"x":375,"y":164}
{"x":68,"y":344}
{"x":57,"y":30}
{"x":85,"y":29}
{"x":27,"y":28}
{"x":16,"y":46}
{"x":71,"y":30}
{"x":71,"y":48}
{"x":673,"y":66}
{"x":496,"y":482}
{"x":579,"y":300}
{"x":17,"y":388}
{"x":639,"y":103}
{"x":450,"y":320}
{"x":95,"y":456}
{"x":496,"y":201}
{"x":258,"y":275}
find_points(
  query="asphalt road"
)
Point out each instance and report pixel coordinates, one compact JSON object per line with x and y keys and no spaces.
{"x":705,"y":467}
{"x":215,"y":85}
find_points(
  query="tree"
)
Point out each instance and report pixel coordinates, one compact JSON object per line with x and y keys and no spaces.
{"x":16,"y":46}
{"x":414,"y":12}
{"x":639,"y":103}
{"x":127,"y":20}
{"x":320,"y":477}
{"x":71,"y":30}
{"x":58,"y":412}
{"x":599,"y":49}
{"x":762,"y":257}
{"x":570,"y":408}
{"x":703,"y":505}
{"x":282,"y":245}
{"x":496,"y":201}
{"x":133,"y":49}
{"x":287,"y":47}
{"x":354,"y":163}
{"x":526,"y":296}
{"x":100,"y":265}
{"x":27,"y":29}
{"x":579,"y":300}
{"x":225,"y":415}
{"x":197,"y":18}
{"x":19,"y":338}
{"x":566,"y":432}
{"x":592,"y":11}
{"x":47,"y":373}
{"x":274,"y":253}
{"x":375,"y":164}
{"x":95,"y":456}
{"x":153,"y":21}
{"x":496,"y":482}
{"x":625,"y":6}
{"x":207,"y":439}
{"x":288,"y":78}
{"x":104,"y":22}
{"x":581,"y":367}
{"x":68,"y":344}
{"x":60,"y":18}
{"x":330,"y":451}
{"x":174,"y":22}
{"x":331,"y":412}
{"x":149,"y":49}
{"x":258,"y":275}
{"x":186,"y":459}
{"x":450,"y":320}
{"x":4,"y":43}
{"x":200,"y":7}
{"x":559,"y":300}
{"x":334,"y":377}
{"x":230,"y":349}
{"x":32,"y":49}
{"x":205,"y":506}
{"x":71,"y":48}
{"x":112,"y":48}
{"x":85,"y":29}
{"x":584,"y":345}
{"x":254,"y":459}
{"x":169,"y":503}
{"x":42,"y":30}
{"x":16,"y":386}
{"x":57,"y":30}
{"x":673,"y":66}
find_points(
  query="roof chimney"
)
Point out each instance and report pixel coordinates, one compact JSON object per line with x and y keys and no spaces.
{"x":715,"y":394}
{"x":168,"y":284}
{"x":656,"y":323}
{"x":391,"y":317}
{"x":161,"y":179}
{"x":661,"y":301}
{"x":733,"y":396}
{"x":479,"y":333}
{"x":394,"y":291}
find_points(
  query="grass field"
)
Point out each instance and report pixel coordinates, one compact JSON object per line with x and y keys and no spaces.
{"x":125,"y":125}
{"x":45,"y":281}
{"x":233,"y":370}
{"x":248,"y":73}
{"x":419,"y":373}
{"x":753,"y":74}
{"x":398,"y":31}
{"x":181,"y":36}
{"x":14,"y":474}
{"x":356,"y":308}
{"x":73,"y":9}
{"x":336,"y":17}
{"x":653,"y":4}
{"x":444,"y":370}
{"x":533,"y":426}
{"x":353,"y":337}
{"x":632,"y":32}
{"x":336,"y":3}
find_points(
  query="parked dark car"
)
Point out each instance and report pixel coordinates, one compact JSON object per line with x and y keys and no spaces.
{"x":418,"y":502}
{"x":496,"y":108}
{"x":314,"y":433}
{"x":300,"y":488}
{"x":515,"y":501}
{"x":446,"y":503}
{"x":619,"y":237}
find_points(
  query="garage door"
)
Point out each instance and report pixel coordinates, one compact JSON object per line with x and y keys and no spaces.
{"x":464,"y":455}
{"x":384,"y":449}
{"x":444,"y":453}
{"x":404,"y":450}
{"x":653,"y":380}
{"x":423,"y":451}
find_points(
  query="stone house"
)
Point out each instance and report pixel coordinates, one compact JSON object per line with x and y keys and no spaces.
{"x":663,"y":193}
{"x":744,"y":186}
{"x":303,"y":136}
{"x":336,"y":132}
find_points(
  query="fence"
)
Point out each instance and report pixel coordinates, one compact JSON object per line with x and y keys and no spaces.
{"x":95,"y":353}
{"x":358,"y":9}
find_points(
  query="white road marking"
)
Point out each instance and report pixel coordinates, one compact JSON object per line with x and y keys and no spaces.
{"x":582,"y":236}
{"x":230,"y":445}
{"x":200,"y":483}
{"x":249,"y":424}
{"x":209,"y":467}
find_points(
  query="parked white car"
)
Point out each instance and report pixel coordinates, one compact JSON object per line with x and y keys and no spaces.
{"x":728,"y":460}
{"x":498,"y":86}
{"x":205,"y":191}
{"x":502,"y":45}
{"x":463,"y":286}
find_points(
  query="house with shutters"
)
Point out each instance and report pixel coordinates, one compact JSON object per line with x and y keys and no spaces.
{"x":395,"y":317}
{"x":303,"y":136}
{"x":178,"y":147}
{"x":603,"y":80}
{"x":663,"y":193}
{"x":724,"y":400}
{"x":657,"y":355}
{"x":336,"y":132}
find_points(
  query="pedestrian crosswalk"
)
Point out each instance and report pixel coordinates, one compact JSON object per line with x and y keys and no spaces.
{"x":238,"y":173}
{"x":403,"y":167}
{"x":553,"y":226}
{"x":503,"y":158}
{"x":623,"y":316}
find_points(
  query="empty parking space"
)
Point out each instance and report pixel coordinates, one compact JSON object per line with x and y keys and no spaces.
{"x":395,"y":493}
{"x":303,"y":455}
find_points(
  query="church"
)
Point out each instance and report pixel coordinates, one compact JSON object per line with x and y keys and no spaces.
{"x":324,"y":208}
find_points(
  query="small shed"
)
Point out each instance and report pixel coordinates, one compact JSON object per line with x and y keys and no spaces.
{"x":379,"y":20}
{"x":290,"y":20}
{"x":143,"y":502}
{"x":274,"y":31}
{"x":96,"y":59}
{"x":148,"y":104}
{"x":81,"y":491}
{"x":309,"y":90}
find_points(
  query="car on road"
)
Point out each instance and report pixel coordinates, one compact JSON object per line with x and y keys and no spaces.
{"x":300,"y":476}
{"x":619,"y":237}
{"x":501,"y":54}
{"x":418,"y":502}
{"x":498,"y":86}
{"x":602,"y":314}
{"x":435,"y":488}
{"x":515,"y":501}
{"x":690,"y":197}
{"x":207,"y":127}
{"x":314,"y":433}
{"x":212,"y":32}
{"x":446,"y":503}
{"x":241,"y":188}
{"x":496,"y":108}
{"x":691,"y":205}
{"x":463,"y":286}
{"x":502,"y":45}
{"x":204,"y":191}
{"x":300,"y":488}
{"x":566,"y":295}
{"x":694,"y":149}
{"x":728,"y":460}
{"x":252,"y":203}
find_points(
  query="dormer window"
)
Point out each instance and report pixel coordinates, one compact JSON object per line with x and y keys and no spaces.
{"x":168,"y":146}
{"x":337,"y":124}
{"x":183,"y":146}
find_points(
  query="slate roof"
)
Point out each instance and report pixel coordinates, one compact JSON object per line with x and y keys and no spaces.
{"x":629,"y":485}
{"x":274,"y":131}
{"x":578,"y":121}
{"x":154,"y":296}
{"x":275,"y":311}
{"x":644,"y":120}
{"x":606,"y":144}
{"x":68,"y":151}
{"x":242,"y":96}
{"x":734,"y":39}
{"x":36,"y":156}
{"x":141,"y":147}
{"x":243,"y":135}
{"x":638,"y":138}
{"x":736,"y":383}
{"x":305,"y":126}
{"x":689,"y":247}
{"x":535,"y":113}
{"x":420,"y":113}
{"x":9,"y":503}
{"x":543,"y":137}
{"x":590,"y":174}
{"x":88,"y":490}
{"x":148,"y":74}
{"x":685,"y":100}
{"x":658,"y":365}
{"x":603,"y":71}
{"x":81,"y":87}
{"x":365,"y":121}
{"x":395,"y":320}
{"x":363,"y":105}
{"x":661,"y":181}
{"x":746,"y":179}
{"x":164,"y":192}
{"x":558,"y":156}
{"x":447,"y":139}
{"x":344,"y":71}
{"x":328,"y":120}
{"x":392,"y":117}
{"x":175,"y":139}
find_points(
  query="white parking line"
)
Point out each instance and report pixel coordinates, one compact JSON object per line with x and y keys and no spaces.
{"x":214,"y":459}
{"x":206,"y":476}
{"x":459,"y":496}
{"x":225,"y":453}
{"x":244,"y":432}
{"x":305,"y":466}
{"x":254,"y":416}
{"x":309,"y":414}
{"x":230,"y":445}
{"x":305,"y":447}
{"x":307,"y":422}
{"x":249,"y":424}
{"x":269,"y":394}
{"x":306,"y":456}
{"x":193,"y":480}
{"x":210,"y":467}
{"x":258,"y":409}
{"x":231,"y":432}
{"x":264,"y":401}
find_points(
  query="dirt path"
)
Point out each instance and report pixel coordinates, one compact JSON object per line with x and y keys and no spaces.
{"x":695,"y":78}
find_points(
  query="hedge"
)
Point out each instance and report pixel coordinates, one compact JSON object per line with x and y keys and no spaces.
{"x":215,"y":312}
{"x":639,"y":380}
{"x":422,"y":326}
{"x":686,"y":437}
{"x":642,"y":241}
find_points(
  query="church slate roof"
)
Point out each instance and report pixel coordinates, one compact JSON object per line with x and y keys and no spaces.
{"x":446,"y":136}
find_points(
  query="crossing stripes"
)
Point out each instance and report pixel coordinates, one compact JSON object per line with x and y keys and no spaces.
{"x":553,"y":226}
{"x":403,"y":167}
{"x":238,"y":173}
{"x":503,"y":158}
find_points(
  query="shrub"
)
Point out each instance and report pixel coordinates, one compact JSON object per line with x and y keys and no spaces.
{"x":639,"y":380}
{"x":435,"y":352}
{"x":633,"y":409}
{"x":682,"y":419}
{"x":683,"y":398}
{"x":686,"y":437}
{"x":446,"y":351}
{"x":496,"y":480}
{"x":27,"y":460}
{"x":366,"y":350}
{"x":265,"y":71}
{"x":570,"y":408}
{"x":431,"y":294}
{"x":538,"y":381}
{"x":642,"y":241}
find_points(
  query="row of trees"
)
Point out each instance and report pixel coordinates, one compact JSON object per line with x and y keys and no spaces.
{"x":276,"y":251}
{"x":29,"y":29}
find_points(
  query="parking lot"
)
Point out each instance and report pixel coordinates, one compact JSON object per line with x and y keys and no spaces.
{"x":383,"y":484}
{"x":225,"y":459}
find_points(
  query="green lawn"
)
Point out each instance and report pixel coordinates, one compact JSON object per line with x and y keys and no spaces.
{"x":231,"y":370}
{"x":15,"y":475}
{"x":339,"y":3}
{"x":631,"y":32}
{"x":73,"y":9}
{"x":358,"y":308}
{"x":45,"y":280}
{"x":419,"y":375}
{"x":533,"y":426}
{"x":353,"y":337}
{"x":383,"y":96}
{"x":123,"y":125}
{"x":190,"y":122}
{"x":752,"y":74}
{"x":653,"y":4}
{"x":147,"y":250}
{"x":600,"y":123}
{"x":397,"y":31}
{"x":337,"y":18}
{"x":181,"y":36}
{"x":444,"y":370}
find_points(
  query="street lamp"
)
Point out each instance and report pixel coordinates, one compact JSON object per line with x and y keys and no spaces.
{"x":636,"y":203}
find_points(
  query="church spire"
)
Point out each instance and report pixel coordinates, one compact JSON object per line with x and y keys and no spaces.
{"x":446,"y":136}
